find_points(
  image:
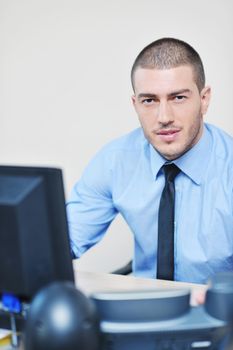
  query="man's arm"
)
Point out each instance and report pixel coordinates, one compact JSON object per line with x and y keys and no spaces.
{"x":90,"y":208}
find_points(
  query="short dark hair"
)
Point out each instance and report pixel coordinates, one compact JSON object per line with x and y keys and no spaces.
{"x":168,"y":53}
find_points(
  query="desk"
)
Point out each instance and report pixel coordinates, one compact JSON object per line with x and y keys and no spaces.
{"x":90,"y":282}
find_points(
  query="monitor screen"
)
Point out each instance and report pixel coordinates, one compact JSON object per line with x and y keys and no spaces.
{"x":34,"y":244}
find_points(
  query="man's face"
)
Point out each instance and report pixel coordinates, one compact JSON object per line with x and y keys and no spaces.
{"x":170,"y":108}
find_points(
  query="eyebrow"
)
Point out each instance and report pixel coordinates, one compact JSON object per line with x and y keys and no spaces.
{"x":171,"y":94}
{"x":179,"y":92}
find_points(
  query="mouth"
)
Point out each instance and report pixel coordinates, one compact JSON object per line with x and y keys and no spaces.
{"x":168,"y":135}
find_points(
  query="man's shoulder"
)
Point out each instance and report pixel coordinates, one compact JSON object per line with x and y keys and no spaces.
{"x":223,"y":142}
{"x":219,"y":132}
{"x":124,"y":150}
{"x":129,"y":142}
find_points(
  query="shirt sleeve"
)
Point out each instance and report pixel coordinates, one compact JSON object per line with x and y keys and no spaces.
{"x":90,"y":209}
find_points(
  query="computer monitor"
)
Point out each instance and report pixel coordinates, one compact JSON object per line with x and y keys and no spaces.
{"x":34,"y":243}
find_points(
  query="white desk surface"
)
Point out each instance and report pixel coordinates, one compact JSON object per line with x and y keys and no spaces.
{"x":90,"y":282}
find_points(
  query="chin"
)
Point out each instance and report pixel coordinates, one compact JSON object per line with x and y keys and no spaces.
{"x":170,"y":151}
{"x":170,"y":155}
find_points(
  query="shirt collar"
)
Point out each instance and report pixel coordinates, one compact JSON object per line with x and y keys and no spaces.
{"x":193,"y":163}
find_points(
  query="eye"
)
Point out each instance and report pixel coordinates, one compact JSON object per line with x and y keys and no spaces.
{"x":179,"y":98}
{"x":147,"y":101}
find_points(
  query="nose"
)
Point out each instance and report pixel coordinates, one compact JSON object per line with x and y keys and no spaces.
{"x":165,"y":115}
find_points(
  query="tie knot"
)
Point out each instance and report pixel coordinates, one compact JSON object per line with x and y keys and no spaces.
{"x":170,"y":171}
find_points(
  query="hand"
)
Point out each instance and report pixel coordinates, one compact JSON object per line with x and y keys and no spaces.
{"x":198,"y":297}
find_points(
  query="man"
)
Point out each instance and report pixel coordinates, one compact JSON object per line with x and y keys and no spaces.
{"x":127,"y":175}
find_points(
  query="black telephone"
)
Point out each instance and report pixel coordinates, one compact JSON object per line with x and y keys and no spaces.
{"x":62,"y":318}
{"x":164,"y":319}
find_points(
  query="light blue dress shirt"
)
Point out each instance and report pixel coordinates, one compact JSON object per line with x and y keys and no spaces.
{"x":125,"y":177}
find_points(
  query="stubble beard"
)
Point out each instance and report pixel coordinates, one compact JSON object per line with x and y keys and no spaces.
{"x":175,"y":151}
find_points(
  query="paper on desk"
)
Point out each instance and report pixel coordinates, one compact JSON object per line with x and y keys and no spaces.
{"x":5,"y":339}
{"x":4,"y":333}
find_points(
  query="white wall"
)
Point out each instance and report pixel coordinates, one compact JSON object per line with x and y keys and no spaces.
{"x":65,"y":88}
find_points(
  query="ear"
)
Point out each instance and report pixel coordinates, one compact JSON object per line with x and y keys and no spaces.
{"x":205,"y":99}
{"x":133,"y":99}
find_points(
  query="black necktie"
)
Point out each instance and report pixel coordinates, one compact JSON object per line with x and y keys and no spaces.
{"x":165,"y":253}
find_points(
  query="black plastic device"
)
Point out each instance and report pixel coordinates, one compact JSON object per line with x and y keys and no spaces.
{"x":34,"y":244}
{"x":162,"y":319}
{"x":61,"y":317}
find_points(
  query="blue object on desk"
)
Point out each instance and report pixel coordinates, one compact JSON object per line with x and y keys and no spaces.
{"x":11,"y":303}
